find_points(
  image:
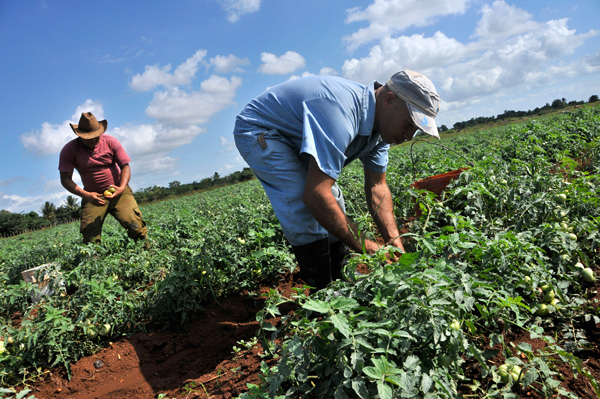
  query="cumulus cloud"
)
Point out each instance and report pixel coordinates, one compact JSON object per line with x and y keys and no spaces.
{"x":501,"y":20}
{"x":508,"y":49}
{"x":387,"y":17}
{"x":181,"y":108}
{"x":155,"y":75}
{"x":51,"y":138}
{"x":236,"y":8}
{"x":287,"y":63}
{"x":415,"y":52}
{"x":228,"y":63}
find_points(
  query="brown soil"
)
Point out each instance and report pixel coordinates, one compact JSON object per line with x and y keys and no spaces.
{"x":200,"y":362}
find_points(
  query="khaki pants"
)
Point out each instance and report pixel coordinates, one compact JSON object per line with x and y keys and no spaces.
{"x":124,"y":209}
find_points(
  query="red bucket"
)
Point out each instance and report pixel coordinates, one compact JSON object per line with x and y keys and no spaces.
{"x":436,"y":184}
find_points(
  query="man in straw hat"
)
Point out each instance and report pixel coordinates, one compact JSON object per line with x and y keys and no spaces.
{"x":103,"y":166}
{"x":297,"y":136}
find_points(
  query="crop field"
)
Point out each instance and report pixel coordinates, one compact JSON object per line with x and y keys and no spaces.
{"x":496,"y":297}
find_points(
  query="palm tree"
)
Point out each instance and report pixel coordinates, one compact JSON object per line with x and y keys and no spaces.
{"x":72,"y":206}
{"x":48,"y":211}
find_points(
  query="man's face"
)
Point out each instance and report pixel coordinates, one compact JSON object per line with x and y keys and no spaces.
{"x":395,"y":124}
{"x":90,"y":143}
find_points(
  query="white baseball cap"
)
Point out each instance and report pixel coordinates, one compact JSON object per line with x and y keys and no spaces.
{"x":421,"y":98}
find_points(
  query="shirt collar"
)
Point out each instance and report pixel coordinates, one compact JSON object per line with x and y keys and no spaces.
{"x":368,"y":111}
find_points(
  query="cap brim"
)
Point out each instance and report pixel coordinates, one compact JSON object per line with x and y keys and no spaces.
{"x":423,"y":122}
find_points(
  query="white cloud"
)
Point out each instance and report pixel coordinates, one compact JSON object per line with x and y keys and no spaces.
{"x":155,"y":75}
{"x":236,"y":8}
{"x":16,"y":203}
{"x":387,"y":17}
{"x":501,"y":20}
{"x":287,"y":63}
{"x":414,"y":52}
{"x":228,"y":63}
{"x":180,"y":108}
{"x":51,"y":138}
{"x":503,"y":56}
{"x":326,"y":71}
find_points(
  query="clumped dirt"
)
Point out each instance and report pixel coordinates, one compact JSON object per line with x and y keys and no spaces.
{"x":200,"y":362}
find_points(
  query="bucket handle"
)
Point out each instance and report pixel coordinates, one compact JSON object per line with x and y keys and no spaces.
{"x":441,"y":145}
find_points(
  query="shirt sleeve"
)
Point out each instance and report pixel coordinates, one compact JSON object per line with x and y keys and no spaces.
{"x":377,"y":159}
{"x":120,"y":156}
{"x":66,"y":161}
{"x":327,"y":132}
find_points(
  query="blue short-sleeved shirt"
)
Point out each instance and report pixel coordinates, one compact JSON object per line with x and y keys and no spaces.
{"x":328,"y":117}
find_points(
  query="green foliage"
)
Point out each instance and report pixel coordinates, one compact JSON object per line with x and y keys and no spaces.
{"x":505,"y":239}
{"x":202,"y":247}
{"x":481,"y":259}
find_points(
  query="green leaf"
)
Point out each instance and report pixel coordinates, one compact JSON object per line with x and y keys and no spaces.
{"x":317,"y":306}
{"x":358,"y":385}
{"x":384,"y":390}
{"x":343,"y":303}
{"x":341,"y":323}
{"x":373,"y":372}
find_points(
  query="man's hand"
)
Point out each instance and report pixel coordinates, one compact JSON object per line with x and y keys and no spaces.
{"x":94,"y":198}
{"x":113,"y":192}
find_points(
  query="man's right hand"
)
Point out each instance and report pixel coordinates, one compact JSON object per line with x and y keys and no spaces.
{"x":95,"y":199}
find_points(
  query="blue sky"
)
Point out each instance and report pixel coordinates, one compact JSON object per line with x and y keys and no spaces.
{"x":170,"y":76}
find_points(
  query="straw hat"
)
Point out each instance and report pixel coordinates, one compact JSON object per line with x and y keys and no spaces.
{"x":89,"y":127}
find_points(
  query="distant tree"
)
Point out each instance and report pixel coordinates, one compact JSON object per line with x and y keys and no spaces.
{"x":558,"y":103}
{"x":593,"y":99}
{"x":443,"y":128}
{"x":48,"y":211}
{"x":73,"y":208}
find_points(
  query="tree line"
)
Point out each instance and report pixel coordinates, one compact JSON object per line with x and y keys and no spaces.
{"x":556,"y":105}
{"x":50,"y":215}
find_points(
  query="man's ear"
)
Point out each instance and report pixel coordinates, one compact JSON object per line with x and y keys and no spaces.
{"x":389,"y":98}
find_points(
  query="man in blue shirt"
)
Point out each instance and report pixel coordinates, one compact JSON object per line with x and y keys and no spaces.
{"x":297,"y":136}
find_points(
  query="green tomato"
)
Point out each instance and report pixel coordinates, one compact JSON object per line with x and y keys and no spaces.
{"x":105,"y":330}
{"x":572,"y":237}
{"x":579,"y":265}
{"x":546,"y":288}
{"x":515,"y":373}
{"x":445,"y":360}
{"x":588,"y":275}
{"x":541,"y":310}
{"x":91,"y":333}
{"x":560,"y":198}
{"x":549,"y":295}
{"x":555,"y":302}
{"x":455,"y":325}
{"x":503,"y":372}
